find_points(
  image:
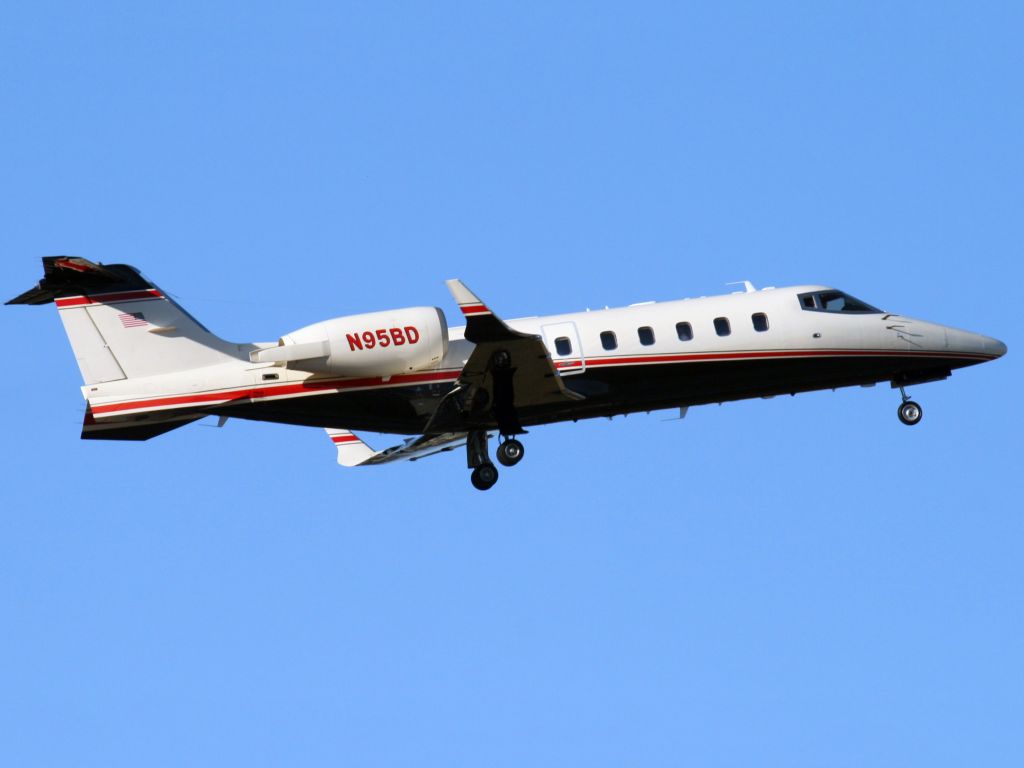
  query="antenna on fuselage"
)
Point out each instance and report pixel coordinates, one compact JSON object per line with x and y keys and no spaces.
{"x":748,"y":287}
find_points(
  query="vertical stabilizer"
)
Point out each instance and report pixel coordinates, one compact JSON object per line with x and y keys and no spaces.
{"x":120,"y":325}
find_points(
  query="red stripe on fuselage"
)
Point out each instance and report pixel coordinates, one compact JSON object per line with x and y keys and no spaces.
{"x":301,"y":388}
{"x":338,"y":385}
{"x":712,"y":356}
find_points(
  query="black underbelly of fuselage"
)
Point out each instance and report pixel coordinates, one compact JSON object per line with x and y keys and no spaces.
{"x":606,"y":391}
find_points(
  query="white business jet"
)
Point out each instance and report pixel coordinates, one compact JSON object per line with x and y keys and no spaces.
{"x":150,"y":367}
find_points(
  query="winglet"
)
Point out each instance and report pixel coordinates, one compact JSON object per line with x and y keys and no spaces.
{"x":352,"y":451}
{"x":468,"y":301}
{"x":481,"y":323}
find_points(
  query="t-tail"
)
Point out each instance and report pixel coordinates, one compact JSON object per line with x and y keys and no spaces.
{"x":123,"y":327}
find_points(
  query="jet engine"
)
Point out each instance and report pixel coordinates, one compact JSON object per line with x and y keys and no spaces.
{"x":373,"y":344}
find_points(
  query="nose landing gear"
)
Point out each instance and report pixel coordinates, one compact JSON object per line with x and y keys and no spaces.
{"x":909,"y":412}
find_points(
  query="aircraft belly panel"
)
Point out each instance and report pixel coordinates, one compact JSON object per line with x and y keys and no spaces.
{"x":609,"y":390}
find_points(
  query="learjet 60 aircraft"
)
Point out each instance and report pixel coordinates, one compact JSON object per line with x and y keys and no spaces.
{"x":150,"y":367}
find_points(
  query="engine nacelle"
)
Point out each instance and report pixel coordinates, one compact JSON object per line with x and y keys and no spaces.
{"x":374,"y":344}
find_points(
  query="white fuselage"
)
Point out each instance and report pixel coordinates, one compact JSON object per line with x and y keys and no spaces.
{"x":150,"y":367}
{"x":768,"y":324}
{"x":788,"y":328}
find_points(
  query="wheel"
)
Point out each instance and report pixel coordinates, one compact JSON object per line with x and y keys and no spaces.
{"x":510,"y":452}
{"x":484,"y":477}
{"x":910,"y":413}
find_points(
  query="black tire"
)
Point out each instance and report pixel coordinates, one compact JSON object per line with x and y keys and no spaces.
{"x":510,"y":453}
{"x":910,"y":413}
{"x":484,"y":477}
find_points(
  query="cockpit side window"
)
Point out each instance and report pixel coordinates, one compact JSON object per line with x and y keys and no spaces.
{"x":837,"y":302}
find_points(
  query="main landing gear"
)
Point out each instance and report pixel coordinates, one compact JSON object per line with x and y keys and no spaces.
{"x":910,"y":413}
{"x":510,"y":452}
{"x":484,"y":476}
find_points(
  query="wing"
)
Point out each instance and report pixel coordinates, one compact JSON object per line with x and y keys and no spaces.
{"x":507,"y":370}
{"x":353,"y":452}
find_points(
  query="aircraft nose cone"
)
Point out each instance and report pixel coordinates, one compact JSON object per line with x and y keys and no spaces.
{"x":995,"y":347}
{"x":973,"y":343}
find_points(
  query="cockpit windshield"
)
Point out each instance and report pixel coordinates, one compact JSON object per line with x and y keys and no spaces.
{"x":836,"y":301}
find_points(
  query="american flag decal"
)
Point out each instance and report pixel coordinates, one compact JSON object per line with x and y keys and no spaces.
{"x":132,"y":319}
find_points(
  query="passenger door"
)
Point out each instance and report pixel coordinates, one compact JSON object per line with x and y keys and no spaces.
{"x":563,"y":342}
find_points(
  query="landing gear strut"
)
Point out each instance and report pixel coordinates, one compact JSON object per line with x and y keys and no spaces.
{"x":501,"y":400}
{"x":910,"y":413}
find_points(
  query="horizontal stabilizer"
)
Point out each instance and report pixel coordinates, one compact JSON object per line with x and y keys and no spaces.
{"x":73,"y":276}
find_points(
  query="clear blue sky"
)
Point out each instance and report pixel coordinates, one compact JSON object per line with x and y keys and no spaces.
{"x":795,"y":582}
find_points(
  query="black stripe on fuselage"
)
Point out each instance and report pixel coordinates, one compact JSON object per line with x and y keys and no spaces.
{"x":608,"y":391}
